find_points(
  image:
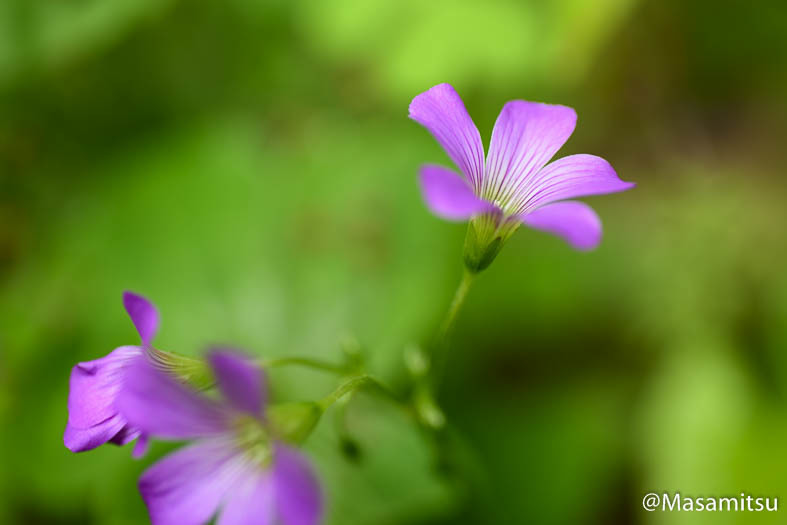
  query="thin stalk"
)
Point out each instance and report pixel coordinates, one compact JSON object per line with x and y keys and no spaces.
{"x":307,"y":362}
{"x":356,"y":383}
{"x":440,"y":348}
{"x":351,"y":385}
{"x":456,"y":306}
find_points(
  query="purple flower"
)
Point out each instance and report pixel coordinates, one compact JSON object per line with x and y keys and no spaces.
{"x":94,"y":386}
{"x":237,"y":467}
{"x":513,"y":184}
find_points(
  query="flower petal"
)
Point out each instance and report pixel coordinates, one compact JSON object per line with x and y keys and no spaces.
{"x":449,"y":196}
{"x":251,"y":503}
{"x":298,"y":494}
{"x":126,"y":435}
{"x":143,"y":314}
{"x":526,"y":135}
{"x":141,"y":446}
{"x":94,"y":385}
{"x":575,"y":221}
{"x":571,"y":177}
{"x":240,"y":380}
{"x":158,"y":405}
{"x":441,"y":111}
{"x":186,"y":487}
{"x":81,"y":439}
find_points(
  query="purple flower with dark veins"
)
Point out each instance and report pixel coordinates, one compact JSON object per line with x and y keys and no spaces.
{"x":238,"y":466}
{"x":513,"y":184}
{"x":94,"y":386}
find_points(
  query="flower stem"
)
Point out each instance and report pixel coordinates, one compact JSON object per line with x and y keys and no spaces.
{"x":456,"y":305}
{"x":307,"y":362}
{"x":352,"y":385}
{"x":440,"y":348}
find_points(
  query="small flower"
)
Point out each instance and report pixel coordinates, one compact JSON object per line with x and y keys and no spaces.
{"x":514,"y":184}
{"x":94,"y":386}
{"x":238,"y":465}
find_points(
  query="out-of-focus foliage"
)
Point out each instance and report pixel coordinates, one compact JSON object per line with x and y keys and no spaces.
{"x":249,"y":166}
{"x":40,"y":35}
{"x":407,"y":44}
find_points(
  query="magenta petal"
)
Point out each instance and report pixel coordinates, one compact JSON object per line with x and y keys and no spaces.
{"x":574,"y":221}
{"x":571,"y":177}
{"x":298,"y":494}
{"x":141,"y":446}
{"x":143,"y":314}
{"x":240,"y":380}
{"x":82,"y":439}
{"x":526,"y":135}
{"x":250,"y":503}
{"x":448,"y":195}
{"x":94,"y":385}
{"x":155,"y":403}
{"x":441,"y":111}
{"x":93,"y":389}
{"x":186,"y":487}
{"x":126,"y":435}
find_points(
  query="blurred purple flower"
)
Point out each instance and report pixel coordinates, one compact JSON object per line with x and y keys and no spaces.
{"x":94,"y":386}
{"x":514,"y":183}
{"x":235,"y":468}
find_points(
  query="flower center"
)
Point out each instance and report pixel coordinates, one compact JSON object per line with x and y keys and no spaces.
{"x":253,"y":439}
{"x":500,"y":197}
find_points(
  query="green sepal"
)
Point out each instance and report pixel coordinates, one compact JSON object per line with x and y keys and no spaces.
{"x":194,"y":372}
{"x":294,"y":422}
{"x":485,"y":237}
{"x":478,"y":256}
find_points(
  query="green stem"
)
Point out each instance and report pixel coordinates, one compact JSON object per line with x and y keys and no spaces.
{"x":456,"y":305}
{"x":307,"y":362}
{"x":351,"y":385}
{"x":440,"y":348}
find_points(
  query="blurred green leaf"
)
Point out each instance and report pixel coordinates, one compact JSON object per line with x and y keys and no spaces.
{"x":43,"y":34}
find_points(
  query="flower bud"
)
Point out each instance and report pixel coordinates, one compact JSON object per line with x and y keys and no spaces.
{"x":427,"y":410}
{"x":352,"y":351}
{"x":416,"y":361}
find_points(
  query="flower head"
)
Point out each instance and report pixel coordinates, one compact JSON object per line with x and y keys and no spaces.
{"x":238,"y":465}
{"x":513,"y":184}
{"x":94,"y":386}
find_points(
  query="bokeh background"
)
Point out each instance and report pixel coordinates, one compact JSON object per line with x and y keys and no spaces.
{"x":249,"y":166}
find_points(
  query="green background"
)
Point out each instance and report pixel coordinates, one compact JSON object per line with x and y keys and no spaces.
{"x":250,"y":167}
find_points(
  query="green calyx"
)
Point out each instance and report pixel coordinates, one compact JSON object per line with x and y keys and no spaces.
{"x":486,"y":235}
{"x":293,"y":422}
{"x":194,"y":372}
{"x":289,"y":422}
